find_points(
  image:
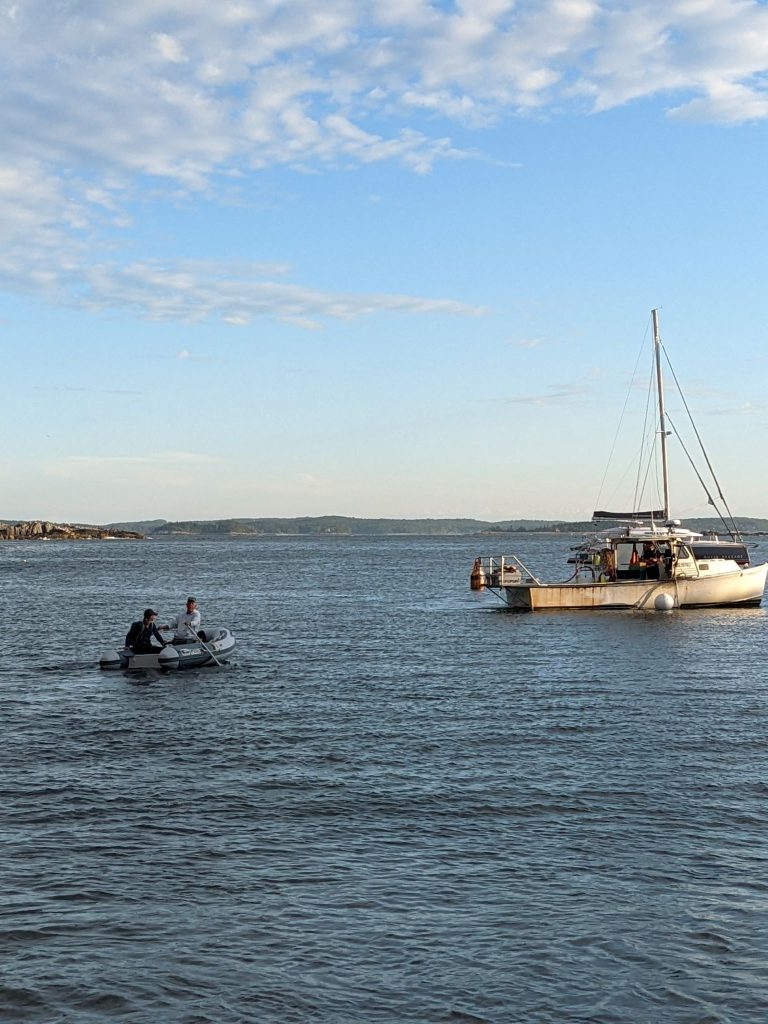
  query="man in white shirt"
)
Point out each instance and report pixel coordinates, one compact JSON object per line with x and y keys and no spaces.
{"x":186,"y":624}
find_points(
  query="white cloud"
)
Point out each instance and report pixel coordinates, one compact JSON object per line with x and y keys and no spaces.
{"x":96,"y":98}
{"x":235,"y":293}
{"x":713,"y":51}
{"x":169,"y":48}
{"x":726,"y":103}
{"x":183,"y":90}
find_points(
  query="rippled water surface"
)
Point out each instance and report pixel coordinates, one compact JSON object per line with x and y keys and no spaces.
{"x":397,"y":804}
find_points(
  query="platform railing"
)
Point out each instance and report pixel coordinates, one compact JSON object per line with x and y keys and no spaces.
{"x":505,"y":570}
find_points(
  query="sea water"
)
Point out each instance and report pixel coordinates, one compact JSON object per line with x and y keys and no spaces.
{"x":399,"y":802}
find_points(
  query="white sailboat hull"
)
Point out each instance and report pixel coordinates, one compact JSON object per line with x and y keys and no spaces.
{"x":651,"y":561}
{"x":740,"y":588}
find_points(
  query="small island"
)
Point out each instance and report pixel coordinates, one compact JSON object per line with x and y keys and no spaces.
{"x":39,"y":529}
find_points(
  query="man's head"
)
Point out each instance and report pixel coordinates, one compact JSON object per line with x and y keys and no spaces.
{"x":149,"y":615}
{"x":191,"y":604}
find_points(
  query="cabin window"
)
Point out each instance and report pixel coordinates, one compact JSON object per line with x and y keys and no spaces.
{"x":640,"y":560}
{"x":710,"y":552}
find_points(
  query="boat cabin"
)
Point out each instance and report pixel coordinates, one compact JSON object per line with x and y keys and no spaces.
{"x":648,"y":560}
{"x":641,"y":554}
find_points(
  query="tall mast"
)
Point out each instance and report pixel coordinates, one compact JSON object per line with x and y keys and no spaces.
{"x":662,"y":419}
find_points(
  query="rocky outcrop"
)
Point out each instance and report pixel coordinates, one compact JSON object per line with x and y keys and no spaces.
{"x":38,"y":529}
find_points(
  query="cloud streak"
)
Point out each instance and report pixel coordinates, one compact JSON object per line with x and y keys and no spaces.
{"x":77,"y":467}
{"x":237,"y":294}
{"x":556,"y":394}
{"x":93,"y":391}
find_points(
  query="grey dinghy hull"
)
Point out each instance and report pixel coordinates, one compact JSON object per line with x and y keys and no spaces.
{"x":219,"y":642}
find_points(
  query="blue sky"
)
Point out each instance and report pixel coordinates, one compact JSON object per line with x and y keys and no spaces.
{"x":266,"y":258}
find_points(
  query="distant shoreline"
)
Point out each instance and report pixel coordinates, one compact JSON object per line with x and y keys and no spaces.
{"x":42,"y":530}
{"x":325,"y":527}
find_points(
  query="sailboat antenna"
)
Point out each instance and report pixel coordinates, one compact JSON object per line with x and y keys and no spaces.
{"x":662,"y":418}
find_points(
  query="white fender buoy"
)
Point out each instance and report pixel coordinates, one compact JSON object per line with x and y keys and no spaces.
{"x":168,"y":658}
{"x":109,"y":659}
{"x":664,"y":603}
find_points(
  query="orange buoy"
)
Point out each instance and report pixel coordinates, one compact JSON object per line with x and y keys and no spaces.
{"x":477,"y":576}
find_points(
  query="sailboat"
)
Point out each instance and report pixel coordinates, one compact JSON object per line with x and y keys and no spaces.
{"x":642,"y":560}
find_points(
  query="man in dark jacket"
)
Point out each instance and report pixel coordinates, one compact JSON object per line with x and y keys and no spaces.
{"x":140,"y":635}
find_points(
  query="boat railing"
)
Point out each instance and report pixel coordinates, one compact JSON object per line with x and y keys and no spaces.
{"x":505,"y":571}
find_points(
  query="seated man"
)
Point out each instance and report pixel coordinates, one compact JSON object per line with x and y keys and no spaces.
{"x":140,"y":635}
{"x":186,"y":624}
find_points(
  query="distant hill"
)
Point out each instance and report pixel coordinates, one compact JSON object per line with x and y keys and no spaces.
{"x":143,"y":526}
{"x":345,"y":526}
{"x":348,"y":526}
{"x":341,"y":526}
{"x":328,"y":526}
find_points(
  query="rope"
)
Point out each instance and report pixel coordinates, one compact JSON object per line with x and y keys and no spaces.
{"x":732,"y":529}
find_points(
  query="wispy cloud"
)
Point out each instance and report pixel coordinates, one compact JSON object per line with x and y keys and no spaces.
{"x":738,"y":409}
{"x":236,"y":294}
{"x":556,"y":394}
{"x":526,"y":342}
{"x":96,"y":100}
{"x":76,"y":467}
{"x":93,"y":391}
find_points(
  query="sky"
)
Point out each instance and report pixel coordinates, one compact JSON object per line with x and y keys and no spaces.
{"x":377,"y":259}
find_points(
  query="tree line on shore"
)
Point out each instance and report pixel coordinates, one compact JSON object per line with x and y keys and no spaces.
{"x":318,"y":526}
{"x":350,"y":526}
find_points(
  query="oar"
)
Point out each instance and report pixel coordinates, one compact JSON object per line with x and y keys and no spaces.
{"x":205,"y":645}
